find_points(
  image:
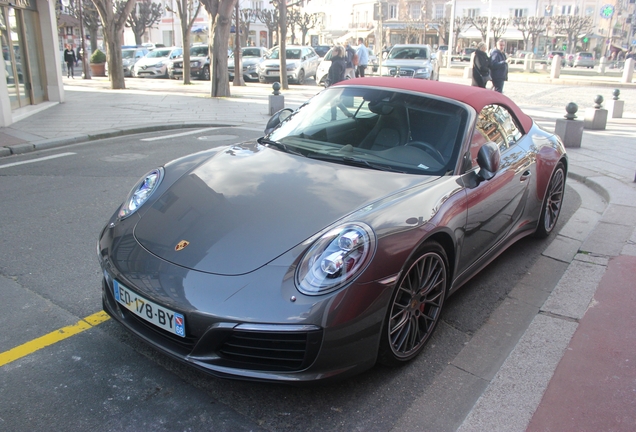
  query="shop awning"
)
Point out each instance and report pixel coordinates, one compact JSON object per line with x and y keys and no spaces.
{"x":354,"y":34}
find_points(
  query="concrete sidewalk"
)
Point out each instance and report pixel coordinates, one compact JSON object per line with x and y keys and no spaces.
{"x":584,"y":326}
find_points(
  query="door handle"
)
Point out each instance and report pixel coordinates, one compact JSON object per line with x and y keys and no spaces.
{"x":525,"y":176}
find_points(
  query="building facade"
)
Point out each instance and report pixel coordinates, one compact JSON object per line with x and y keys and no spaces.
{"x":31,"y":57}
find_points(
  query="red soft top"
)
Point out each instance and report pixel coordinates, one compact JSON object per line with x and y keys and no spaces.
{"x":476,"y":97}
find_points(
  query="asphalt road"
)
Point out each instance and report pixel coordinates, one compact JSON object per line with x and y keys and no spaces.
{"x":104,"y":378}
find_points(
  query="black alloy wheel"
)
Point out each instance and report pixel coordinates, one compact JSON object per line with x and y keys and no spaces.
{"x":206,"y":73}
{"x":416,"y":306}
{"x":552,"y":203}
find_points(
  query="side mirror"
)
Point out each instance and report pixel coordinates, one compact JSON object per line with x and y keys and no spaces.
{"x":488,"y":160}
{"x":277,"y":119}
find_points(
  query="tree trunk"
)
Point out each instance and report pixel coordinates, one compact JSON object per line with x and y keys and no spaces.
{"x":113,"y":51}
{"x":93,"y":34}
{"x":282,"y":46}
{"x":185,"y":34}
{"x":138,"y":37}
{"x":220,"y":25}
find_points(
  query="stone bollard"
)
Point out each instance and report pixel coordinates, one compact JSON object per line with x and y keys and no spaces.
{"x":570,"y":130}
{"x":628,"y":71}
{"x":276,"y":100}
{"x":602,"y":64}
{"x":528,"y":63}
{"x":615,"y":106}
{"x":555,"y":71}
{"x":596,"y":118}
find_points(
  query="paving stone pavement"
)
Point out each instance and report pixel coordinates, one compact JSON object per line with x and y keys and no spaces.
{"x":520,"y":390}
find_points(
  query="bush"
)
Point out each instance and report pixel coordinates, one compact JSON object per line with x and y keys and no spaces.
{"x":98,"y":57}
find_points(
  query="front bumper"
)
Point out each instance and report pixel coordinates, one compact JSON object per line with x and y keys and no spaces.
{"x":247,"y":326}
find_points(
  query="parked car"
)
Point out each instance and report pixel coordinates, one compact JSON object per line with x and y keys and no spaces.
{"x":390,"y":195}
{"x":129,"y":56}
{"x":199,"y":64}
{"x":250,"y":58}
{"x":552,"y":54}
{"x":584,"y":59}
{"x":464,"y":55}
{"x":302,"y":62}
{"x":321,"y":50}
{"x":411,"y":61}
{"x":155,"y":63}
{"x":520,"y":57}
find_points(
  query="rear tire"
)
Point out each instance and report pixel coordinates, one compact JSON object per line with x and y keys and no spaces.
{"x":415,"y":307}
{"x":552,"y":203}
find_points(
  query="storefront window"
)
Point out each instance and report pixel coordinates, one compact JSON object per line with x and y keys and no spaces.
{"x":36,"y":70}
{"x":9,"y":66}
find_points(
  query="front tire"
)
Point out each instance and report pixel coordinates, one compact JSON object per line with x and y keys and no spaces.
{"x":416,"y":306}
{"x":301,"y":77}
{"x":206,"y":73}
{"x":552,"y":203}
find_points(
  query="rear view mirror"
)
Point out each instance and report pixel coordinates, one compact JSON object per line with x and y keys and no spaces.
{"x":488,"y":160}
{"x":277,"y":119}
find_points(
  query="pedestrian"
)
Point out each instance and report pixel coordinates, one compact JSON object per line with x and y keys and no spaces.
{"x":481,"y":66}
{"x":338,"y":65}
{"x":363,"y":57}
{"x":350,"y":56}
{"x":70,"y":59}
{"x":499,"y":66}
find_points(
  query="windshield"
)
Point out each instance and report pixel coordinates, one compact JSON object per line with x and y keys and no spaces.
{"x":158,"y":53}
{"x":199,"y":51}
{"x":375,"y":128}
{"x":291,"y":54}
{"x":251,"y":52}
{"x":127,"y":54}
{"x":409,"y":53}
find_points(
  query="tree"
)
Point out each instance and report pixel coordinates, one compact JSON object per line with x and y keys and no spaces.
{"x":113,"y":21}
{"x":498,"y":26}
{"x":461,"y":24}
{"x":248,"y":16}
{"x":443,"y":25}
{"x":90,"y":16}
{"x":293,"y":19}
{"x":143,"y":16}
{"x":269,"y":17}
{"x":188,"y":11}
{"x":219,"y":17}
{"x":282,"y":41}
{"x":530,"y":27}
{"x":573,"y":26}
{"x":306,"y":22}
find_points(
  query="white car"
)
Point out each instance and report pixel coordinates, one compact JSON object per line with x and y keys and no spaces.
{"x":302,"y":62}
{"x":155,"y":63}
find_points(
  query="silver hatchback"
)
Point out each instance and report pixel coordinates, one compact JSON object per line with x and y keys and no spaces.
{"x":583,"y":59}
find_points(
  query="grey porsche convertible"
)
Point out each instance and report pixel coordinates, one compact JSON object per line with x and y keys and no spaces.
{"x":331,"y":243}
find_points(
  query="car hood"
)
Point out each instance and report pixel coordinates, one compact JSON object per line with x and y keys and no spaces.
{"x":406,"y":63}
{"x":248,"y":204}
{"x":276,"y":63}
{"x":149,"y":61}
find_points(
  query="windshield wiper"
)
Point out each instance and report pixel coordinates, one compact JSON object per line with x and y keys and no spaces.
{"x":348,"y":160}
{"x":278,"y":145}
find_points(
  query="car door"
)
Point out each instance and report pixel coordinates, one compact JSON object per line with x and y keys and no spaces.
{"x":495,"y":207}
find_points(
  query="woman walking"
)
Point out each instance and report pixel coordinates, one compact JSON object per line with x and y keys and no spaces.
{"x":481,"y":66}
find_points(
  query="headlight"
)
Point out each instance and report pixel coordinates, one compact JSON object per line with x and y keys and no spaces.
{"x":141,"y":192}
{"x":423,"y":71}
{"x":292,"y":67}
{"x":158,"y":64}
{"x":335,"y":259}
{"x":194,"y":64}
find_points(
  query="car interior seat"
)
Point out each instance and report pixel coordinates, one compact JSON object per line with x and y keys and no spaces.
{"x":391,"y":129}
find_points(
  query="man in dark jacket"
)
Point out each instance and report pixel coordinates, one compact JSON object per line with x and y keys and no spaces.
{"x":499,"y":66}
{"x":70,"y":59}
{"x":350,"y":70}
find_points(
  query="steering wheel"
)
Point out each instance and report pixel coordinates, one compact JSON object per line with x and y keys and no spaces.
{"x":428,"y":149}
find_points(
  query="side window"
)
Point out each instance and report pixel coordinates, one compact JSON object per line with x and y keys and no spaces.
{"x":496,"y":124}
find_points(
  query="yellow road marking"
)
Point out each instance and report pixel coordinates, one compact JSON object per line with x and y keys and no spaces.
{"x":53,"y":337}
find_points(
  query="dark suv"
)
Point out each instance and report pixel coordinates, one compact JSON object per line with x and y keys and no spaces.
{"x":199,"y":64}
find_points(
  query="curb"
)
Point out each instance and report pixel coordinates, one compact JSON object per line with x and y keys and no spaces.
{"x":111,"y":133}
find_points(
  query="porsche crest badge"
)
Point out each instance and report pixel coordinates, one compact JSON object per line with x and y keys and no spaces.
{"x":181,"y":245}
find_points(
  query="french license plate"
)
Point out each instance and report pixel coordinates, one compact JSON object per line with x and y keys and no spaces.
{"x":160,"y":316}
{"x":273,"y":73}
